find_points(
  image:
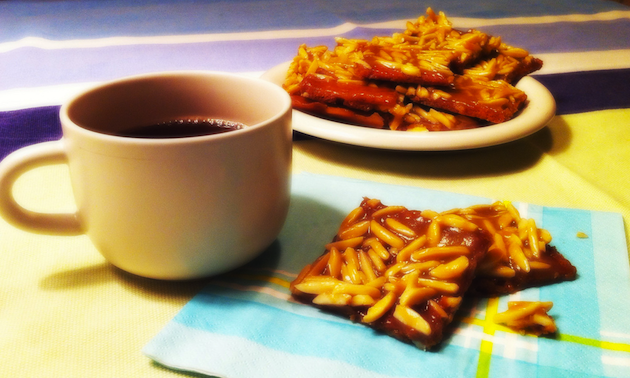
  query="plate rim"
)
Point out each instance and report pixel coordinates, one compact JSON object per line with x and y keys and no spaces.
{"x":537,"y":113}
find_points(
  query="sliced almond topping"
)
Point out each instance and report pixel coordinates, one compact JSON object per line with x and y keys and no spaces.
{"x":399,"y":227}
{"x":446,"y":287}
{"x":331,"y":299}
{"x":439,"y":252}
{"x":343,"y":244}
{"x":437,"y":308}
{"x":412,"y":296}
{"x":451,"y":269}
{"x":351,"y":218}
{"x":420,"y":267}
{"x":354,"y":289}
{"x":317,"y":286}
{"x":387,"y":211}
{"x":518,"y":256}
{"x":362,"y":300}
{"x":380,"y":308}
{"x":405,"y":253}
{"x":385,"y":235}
{"x":412,"y":319}
{"x":334,"y":263}
{"x":452,"y":220}
{"x":356,"y":230}
{"x":377,"y":261}
{"x":366,"y":266}
{"x":376,"y":245}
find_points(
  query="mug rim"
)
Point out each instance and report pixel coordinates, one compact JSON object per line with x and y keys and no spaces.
{"x":67,"y":122}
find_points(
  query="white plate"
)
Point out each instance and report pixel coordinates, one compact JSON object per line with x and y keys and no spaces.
{"x":538,"y":111}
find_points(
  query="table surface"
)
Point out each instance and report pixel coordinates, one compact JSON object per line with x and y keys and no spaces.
{"x":65,"y":312}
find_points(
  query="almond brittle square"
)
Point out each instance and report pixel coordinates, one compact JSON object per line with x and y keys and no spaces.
{"x":405,"y":272}
{"x":399,"y":271}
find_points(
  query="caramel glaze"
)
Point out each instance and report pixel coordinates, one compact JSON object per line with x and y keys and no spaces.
{"x":355,"y":117}
{"x":378,"y":71}
{"x":356,"y":96}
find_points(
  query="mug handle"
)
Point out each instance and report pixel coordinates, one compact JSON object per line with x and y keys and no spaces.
{"x":16,"y":164}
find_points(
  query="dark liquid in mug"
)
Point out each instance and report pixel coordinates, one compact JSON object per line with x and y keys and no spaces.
{"x":182,"y":128}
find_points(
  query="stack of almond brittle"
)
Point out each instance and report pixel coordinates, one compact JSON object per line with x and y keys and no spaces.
{"x":428,"y":77}
{"x":405,"y":272}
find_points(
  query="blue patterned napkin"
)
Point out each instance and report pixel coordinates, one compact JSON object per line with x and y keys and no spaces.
{"x":245,"y":324}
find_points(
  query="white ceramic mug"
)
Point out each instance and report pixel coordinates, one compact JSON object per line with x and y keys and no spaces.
{"x":170,"y":208}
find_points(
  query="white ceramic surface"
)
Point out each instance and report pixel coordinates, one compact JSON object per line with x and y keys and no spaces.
{"x":538,"y":111}
{"x":176,"y":208}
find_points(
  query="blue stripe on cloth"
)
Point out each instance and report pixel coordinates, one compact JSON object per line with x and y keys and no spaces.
{"x":579,"y":92}
{"x":575,"y":92}
{"x":21,"y":128}
{"x":99,"y":19}
{"x":32,"y":67}
{"x":361,"y":11}
{"x":61,"y":20}
{"x":564,"y":36}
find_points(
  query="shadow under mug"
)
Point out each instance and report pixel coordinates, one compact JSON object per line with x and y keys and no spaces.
{"x":168,"y":208}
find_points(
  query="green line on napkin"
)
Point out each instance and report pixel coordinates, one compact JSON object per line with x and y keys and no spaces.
{"x":609,"y":345}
